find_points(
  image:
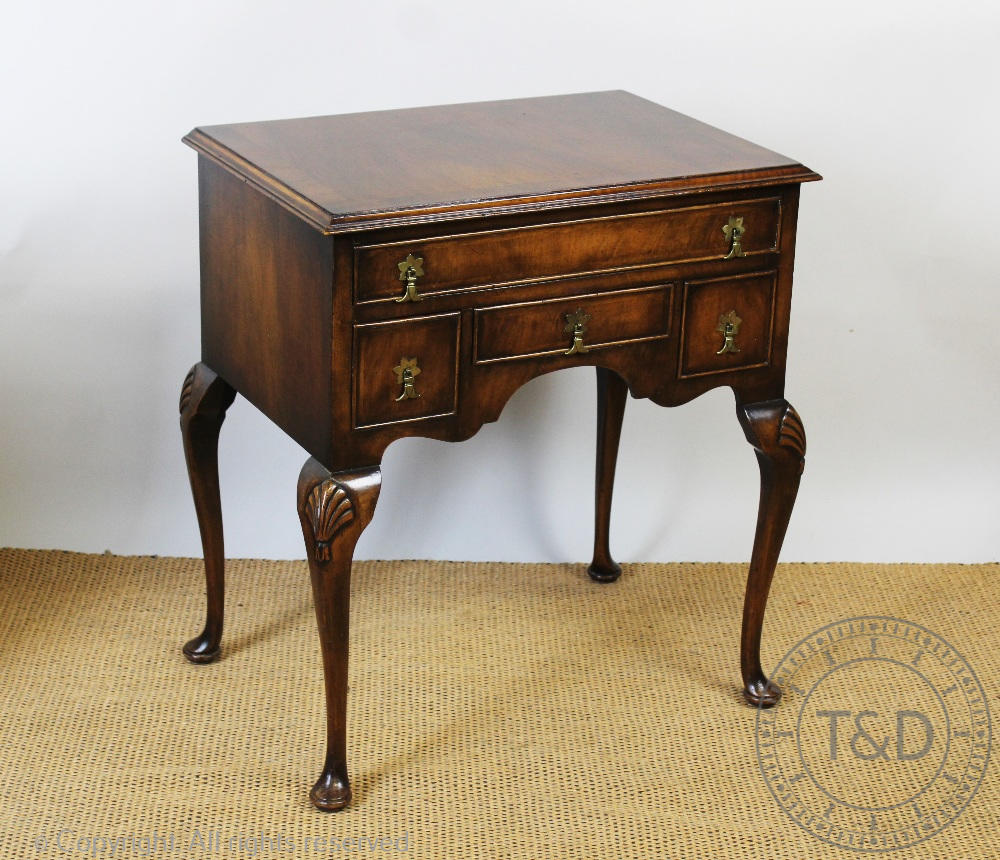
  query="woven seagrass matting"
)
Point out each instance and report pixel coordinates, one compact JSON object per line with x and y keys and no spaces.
{"x":495,"y":710}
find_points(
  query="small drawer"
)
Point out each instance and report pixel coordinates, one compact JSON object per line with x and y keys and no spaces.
{"x":727,"y":324}
{"x":405,"y":370}
{"x":478,"y":260}
{"x":591,"y":322}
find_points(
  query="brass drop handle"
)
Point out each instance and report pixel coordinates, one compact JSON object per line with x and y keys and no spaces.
{"x":729,"y":326}
{"x":576,"y":325}
{"x":409,"y":270}
{"x":734,"y":231}
{"x":406,"y":371}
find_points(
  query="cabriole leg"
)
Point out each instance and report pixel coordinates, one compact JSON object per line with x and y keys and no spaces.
{"x":611,"y":394}
{"x":205,"y":397}
{"x":334,"y":511}
{"x":776,"y":433}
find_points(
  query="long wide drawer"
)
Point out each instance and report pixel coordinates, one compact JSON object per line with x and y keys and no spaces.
{"x":546,"y":251}
{"x":572,"y":326}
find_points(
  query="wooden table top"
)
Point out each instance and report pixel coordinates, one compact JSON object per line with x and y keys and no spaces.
{"x":382,"y":168}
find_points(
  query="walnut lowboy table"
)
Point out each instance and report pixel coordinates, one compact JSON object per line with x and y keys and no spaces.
{"x":380,"y":275}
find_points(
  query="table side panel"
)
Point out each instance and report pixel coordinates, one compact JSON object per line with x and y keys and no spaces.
{"x":266,"y":305}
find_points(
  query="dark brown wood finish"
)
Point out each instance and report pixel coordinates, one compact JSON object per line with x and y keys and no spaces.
{"x":205,"y":397}
{"x":390,"y":167}
{"x":490,"y":258}
{"x":708,"y":301}
{"x":526,"y":236}
{"x":632,"y":338}
{"x":334,"y":510}
{"x":266,"y":305}
{"x":539,"y":328}
{"x":777,"y":435}
{"x":429,"y":348}
{"x":611,"y":395}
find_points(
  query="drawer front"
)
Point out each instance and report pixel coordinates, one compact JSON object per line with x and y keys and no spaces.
{"x":727,"y":324}
{"x":552,"y":327}
{"x":405,"y":370}
{"x":590,"y":245}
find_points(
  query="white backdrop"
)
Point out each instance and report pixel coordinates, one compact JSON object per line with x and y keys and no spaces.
{"x":893,"y":359}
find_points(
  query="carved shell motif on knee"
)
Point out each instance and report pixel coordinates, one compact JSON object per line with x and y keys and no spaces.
{"x":330,"y":509}
{"x":791,"y":433}
{"x":186,"y":390}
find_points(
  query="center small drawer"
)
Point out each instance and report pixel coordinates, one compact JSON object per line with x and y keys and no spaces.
{"x":386,"y":272}
{"x":572,"y":326}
